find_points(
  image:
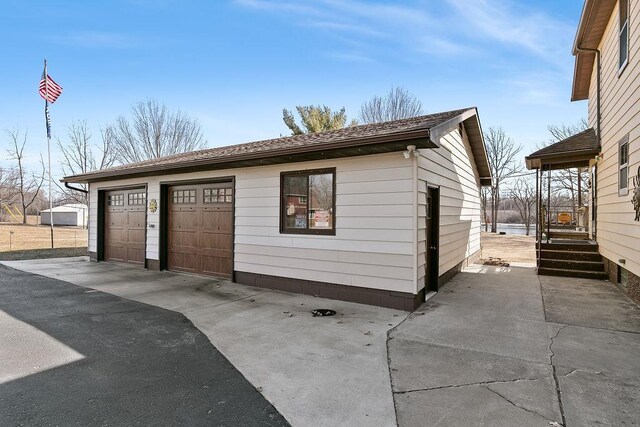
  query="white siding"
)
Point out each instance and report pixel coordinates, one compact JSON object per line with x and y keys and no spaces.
{"x":451,"y":168}
{"x":374,"y":242}
{"x":617,"y":234}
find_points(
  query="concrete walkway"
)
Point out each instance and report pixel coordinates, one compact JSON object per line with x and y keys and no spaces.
{"x":503,"y":347}
{"x":321,"y":371}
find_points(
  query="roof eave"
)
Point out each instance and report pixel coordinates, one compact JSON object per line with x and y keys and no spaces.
{"x":419,"y":137}
{"x":536,"y":162}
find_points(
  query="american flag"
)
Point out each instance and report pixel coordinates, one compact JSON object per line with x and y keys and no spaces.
{"x":49,"y":89}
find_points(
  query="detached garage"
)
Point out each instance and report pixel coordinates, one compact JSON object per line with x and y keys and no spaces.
{"x":379,"y":214}
{"x":71,"y":215}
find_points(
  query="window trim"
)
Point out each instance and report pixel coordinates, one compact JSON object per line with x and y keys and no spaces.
{"x":621,"y":27}
{"x":623,"y":142}
{"x":283,"y":204}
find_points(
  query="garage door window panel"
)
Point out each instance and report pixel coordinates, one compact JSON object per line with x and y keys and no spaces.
{"x":137,"y":199}
{"x":183,"y":197}
{"x":115,"y":200}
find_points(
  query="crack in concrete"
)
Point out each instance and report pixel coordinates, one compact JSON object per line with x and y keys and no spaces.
{"x":389,"y":337}
{"x":514,"y":404}
{"x":555,"y":375}
{"x":481,"y":383}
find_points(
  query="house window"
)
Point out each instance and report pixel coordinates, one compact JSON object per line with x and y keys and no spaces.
{"x":623,"y":162}
{"x":183,"y":196}
{"x":624,"y":276}
{"x":137,"y":198}
{"x":308,"y":203}
{"x":218,"y":195}
{"x":623,"y":34}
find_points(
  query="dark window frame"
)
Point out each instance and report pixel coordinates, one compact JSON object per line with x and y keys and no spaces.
{"x":623,"y":144}
{"x":283,"y":203}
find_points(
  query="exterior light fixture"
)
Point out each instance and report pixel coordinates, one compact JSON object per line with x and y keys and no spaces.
{"x":410,"y":149}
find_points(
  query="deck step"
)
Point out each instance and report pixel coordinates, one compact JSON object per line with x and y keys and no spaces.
{"x":598,"y":275}
{"x":576,"y":235}
{"x":581,"y":247}
{"x":570,"y":255}
{"x":572,"y":264}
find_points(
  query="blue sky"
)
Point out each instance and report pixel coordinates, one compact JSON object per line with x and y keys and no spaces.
{"x":234,"y":65}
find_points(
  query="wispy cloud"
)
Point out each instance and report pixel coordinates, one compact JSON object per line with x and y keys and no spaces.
{"x":434,"y":45}
{"x":350,"y":57}
{"x":542,"y":88}
{"x":455,"y":29}
{"x":511,"y":24}
{"x":347,"y":28}
{"x":96,"y":39}
{"x":279,"y":6}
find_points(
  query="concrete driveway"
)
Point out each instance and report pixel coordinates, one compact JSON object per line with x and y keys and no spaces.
{"x":503,"y":347}
{"x":321,"y":371}
{"x":496,"y":346}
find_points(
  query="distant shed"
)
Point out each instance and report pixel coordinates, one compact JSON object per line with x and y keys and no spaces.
{"x":71,"y":214}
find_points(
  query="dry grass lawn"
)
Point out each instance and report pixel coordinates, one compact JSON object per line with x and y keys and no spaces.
{"x":17,"y":237}
{"x":509,"y":247}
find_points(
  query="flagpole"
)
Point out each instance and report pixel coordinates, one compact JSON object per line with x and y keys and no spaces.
{"x":46,"y":117}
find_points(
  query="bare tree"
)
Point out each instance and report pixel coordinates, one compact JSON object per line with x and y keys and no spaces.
{"x":566,"y":180}
{"x":501,"y":152}
{"x":8,"y":191}
{"x":28,"y":184}
{"x":397,"y":104}
{"x":315,"y":118}
{"x":484,"y":201}
{"x":523,"y":194}
{"x":153,"y":131}
{"x":80,"y":155}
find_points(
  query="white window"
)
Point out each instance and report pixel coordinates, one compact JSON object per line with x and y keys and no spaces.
{"x":623,"y":34}
{"x":623,"y":162}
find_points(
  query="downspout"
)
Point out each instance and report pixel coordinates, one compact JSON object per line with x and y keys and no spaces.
{"x":594,"y":184}
{"x":71,"y":187}
{"x":598,"y":80}
{"x":82,"y":190}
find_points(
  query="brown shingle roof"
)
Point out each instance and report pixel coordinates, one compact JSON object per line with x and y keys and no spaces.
{"x":583,"y":141}
{"x":575,"y":151}
{"x":350,"y":137}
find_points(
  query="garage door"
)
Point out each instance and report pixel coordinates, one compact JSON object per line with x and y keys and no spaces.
{"x":124,"y":226}
{"x":200,"y":229}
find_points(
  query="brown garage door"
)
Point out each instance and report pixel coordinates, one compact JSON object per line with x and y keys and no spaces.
{"x":124,"y":226}
{"x":200,"y":233}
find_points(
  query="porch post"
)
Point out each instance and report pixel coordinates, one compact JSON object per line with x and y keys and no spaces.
{"x":537,"y":219}
{"x":548,"y":204}
{"x":579,"y":188}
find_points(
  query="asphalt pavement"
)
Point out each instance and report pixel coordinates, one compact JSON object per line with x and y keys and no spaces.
{"x":76,"y":356}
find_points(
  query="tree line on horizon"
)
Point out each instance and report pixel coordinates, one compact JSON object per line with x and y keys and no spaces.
{"x":153,"y":130}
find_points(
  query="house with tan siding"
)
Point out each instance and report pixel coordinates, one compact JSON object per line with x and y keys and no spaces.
{"x":607,"y":74}
{"x":380,"y":214}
